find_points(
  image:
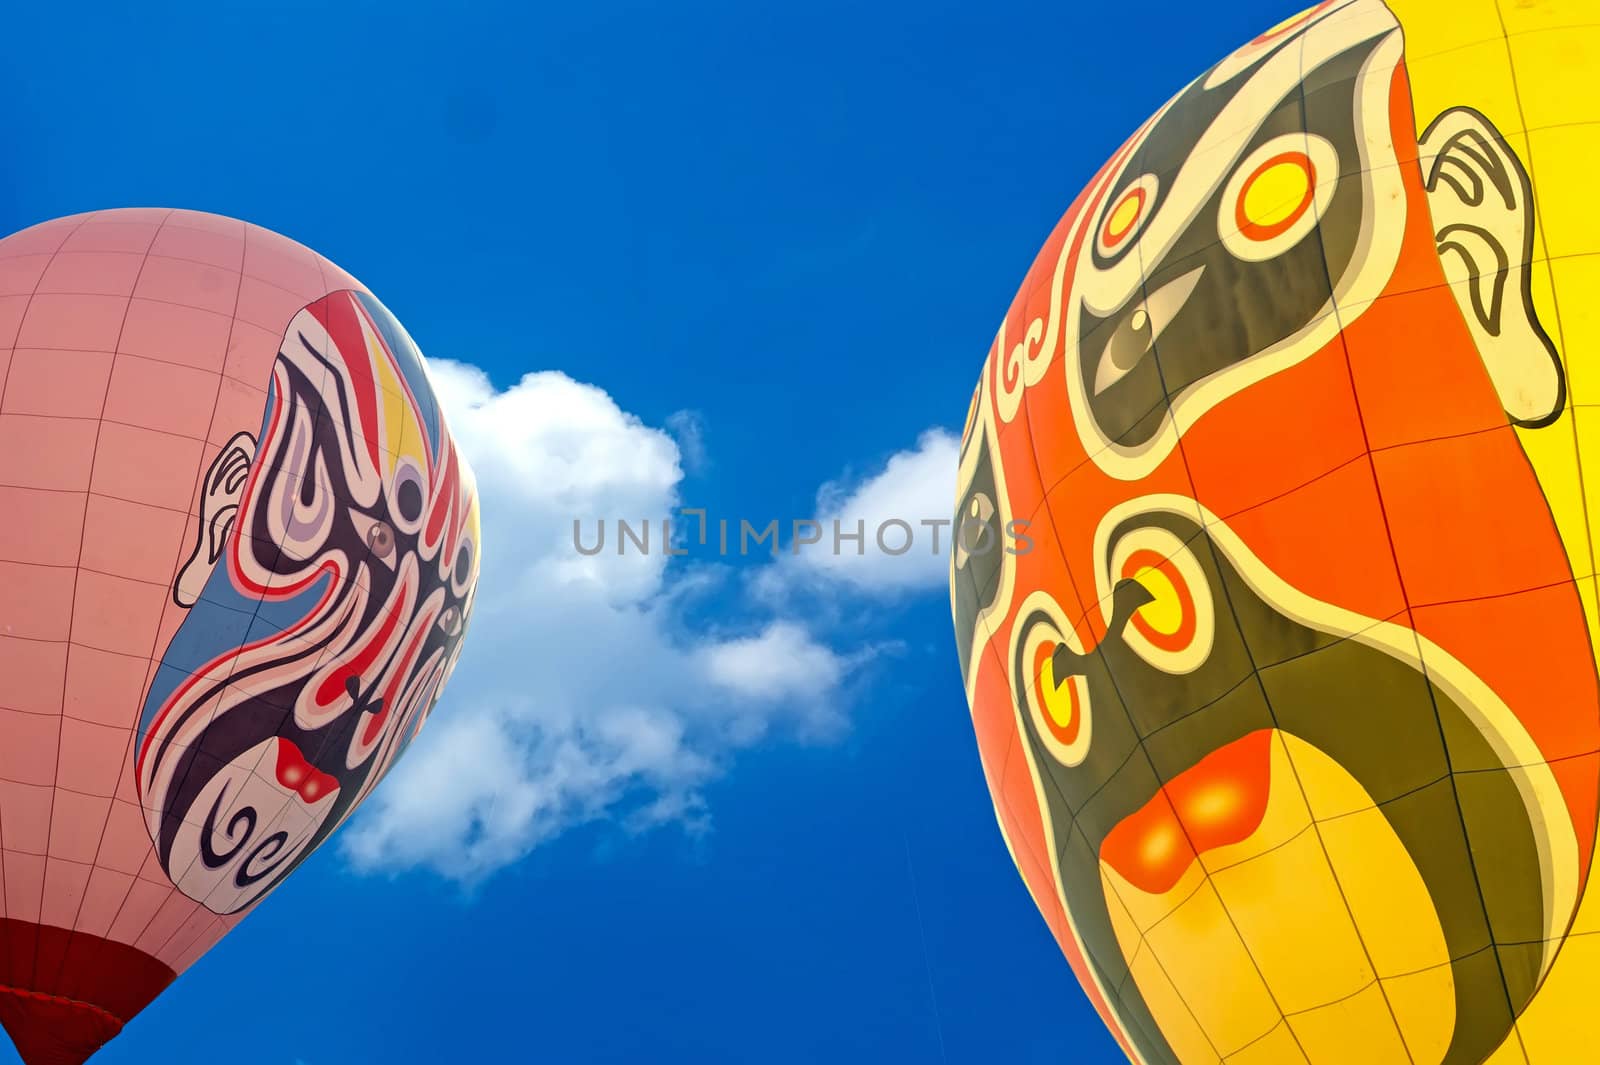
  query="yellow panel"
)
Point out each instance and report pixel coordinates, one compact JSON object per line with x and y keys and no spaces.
{"x":1478,"y":76}
{"x":1202,"y":955}
{"x":1278,"y":1048}
{"x":1580,"y":323}
{"x":1386,"y":894}
{"x":1129,"y":935}
{"x":1589,"y":595}
{"x":1553,"y":451}
{"x":1312,"y":956}
{"x":1328,"y":787}
{"x":1543,"y":283}
{"x":1358,"y":1029}
{"x":1564,"y":158}
{"x":1141,"y":909}
{"x":1559,"y":1026}
{"x":1521,"y":16}
{"x":1432,"y":27}
{"x":1178,"y":1025}
{"x":1555,"y":74}
{"x":1424,"y":1003}
{"x":1586,"y":423}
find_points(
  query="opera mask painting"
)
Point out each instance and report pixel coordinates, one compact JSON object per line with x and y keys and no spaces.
{"x":1290,"y":718}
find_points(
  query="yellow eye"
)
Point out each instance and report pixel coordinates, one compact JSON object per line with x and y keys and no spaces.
{"x":1127,"y":215}
{"x":1047,"y":680}
{"x":1175,"y":629}
{"x":1060,"y":697}
{"x":1121,"y":220}
{"x":1171,"y":606}
{"x":1276,"y":195}
{"x":1168,"y":620}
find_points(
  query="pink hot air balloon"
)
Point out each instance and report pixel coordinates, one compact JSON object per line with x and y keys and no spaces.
{"x":240,"y":556}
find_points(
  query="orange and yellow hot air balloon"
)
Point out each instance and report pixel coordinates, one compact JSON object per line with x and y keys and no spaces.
{"x":238,"y":558}
{"x":1283,"y":673}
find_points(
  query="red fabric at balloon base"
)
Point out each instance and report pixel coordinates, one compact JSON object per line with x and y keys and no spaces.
{"x":85,"y":989}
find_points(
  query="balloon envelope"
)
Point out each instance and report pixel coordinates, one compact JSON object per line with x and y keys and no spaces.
{"x":1281,"y":652}
{"x":239,"y":556}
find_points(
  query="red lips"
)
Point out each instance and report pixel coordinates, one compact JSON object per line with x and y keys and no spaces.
{"x":300,"y":776}
{"x":1218,"y":802}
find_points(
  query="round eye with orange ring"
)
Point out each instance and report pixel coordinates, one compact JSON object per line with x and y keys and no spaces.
{"x":1276,"y":196}
{"x":1174,"y":631}
{"x":1126,"y":216}
{"x":1045,"y":683}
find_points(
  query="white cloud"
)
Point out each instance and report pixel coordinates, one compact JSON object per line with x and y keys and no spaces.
{"x":892,"y":509}
{"x":688,"y":429}
{"x":581,"y":693}
{"x":781,"y":660}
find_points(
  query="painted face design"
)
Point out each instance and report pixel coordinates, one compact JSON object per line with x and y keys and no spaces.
{"x":1288,"y":222}
{"x":1276,"y":778}
{"x":1273,"y":227}
{"x":354,"y":522}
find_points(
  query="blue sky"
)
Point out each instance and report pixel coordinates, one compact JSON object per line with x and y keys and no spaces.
{"x":753,"y":258}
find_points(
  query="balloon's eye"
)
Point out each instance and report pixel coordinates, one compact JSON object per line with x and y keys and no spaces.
{"x":450,"y":620}
{"x":409,"y":500}
{"x":1167,"y":621}
{"x":1136,"y":334}
{"x":1174,"y":629}
{"x":1274,"y":198}
{"x":1049,"y":664}
{"x":1127,"y":215}
{"x":974,"y":534}
{"x":408,"y":494}
{"x":380,"y":538}
{"x":1063,"y":699}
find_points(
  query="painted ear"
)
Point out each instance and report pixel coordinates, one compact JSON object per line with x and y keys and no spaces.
{"x":1482,"y":206}
{"x":219,"y":507}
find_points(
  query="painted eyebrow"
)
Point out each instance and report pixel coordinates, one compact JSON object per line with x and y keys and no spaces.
{"x":338,"y":380}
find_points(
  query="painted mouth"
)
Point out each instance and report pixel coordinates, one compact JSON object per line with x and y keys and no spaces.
{"x":1217,"y":803}
{"x":1268,"y":869}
